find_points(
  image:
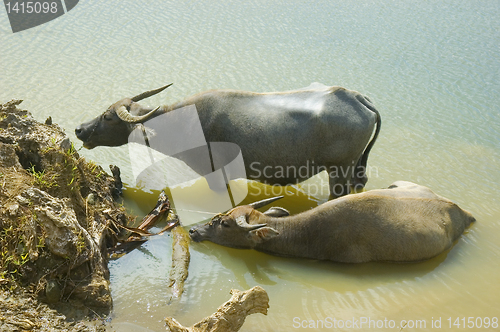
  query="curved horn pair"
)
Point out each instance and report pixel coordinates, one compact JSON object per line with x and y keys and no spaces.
{"x":264,"y":202}
{"x":125,"y":115}
{"x":241,"y":221}
{"x":150,"y":93}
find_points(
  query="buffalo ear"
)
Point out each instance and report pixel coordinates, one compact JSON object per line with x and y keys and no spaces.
{"x":277,"y":212}
{"x":263,"y":234}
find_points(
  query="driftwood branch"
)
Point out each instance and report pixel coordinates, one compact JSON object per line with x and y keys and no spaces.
{"x":162,"y":206}
{"x":180,"y":261}
{"x":180,"y":243}
{"x":139,"y":234}
{"x":231,"y":315}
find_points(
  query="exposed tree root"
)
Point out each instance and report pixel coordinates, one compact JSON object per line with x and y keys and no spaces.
{"x":231,"y":315}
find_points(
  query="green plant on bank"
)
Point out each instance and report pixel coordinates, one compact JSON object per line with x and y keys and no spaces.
{"x":53,"y":146}
{"x":41,"y":242}
{"x":42,"y":179}
{"x":73,"y":176}
{"x":72,"y":166}
{"x":92,"y":166}
{"x":12,"y":253}
{"x":71,"y":151}
{"x":95,"y":169}
{"x":80,"y":243}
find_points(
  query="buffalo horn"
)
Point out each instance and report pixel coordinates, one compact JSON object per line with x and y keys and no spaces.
{"x":242,"y":223}
{"x":125,"y":115}
{"x":150,"y":93}
{"x":264,"y":202}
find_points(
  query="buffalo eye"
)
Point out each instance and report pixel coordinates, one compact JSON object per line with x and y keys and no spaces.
{"x":224,"y":223}
{"x":108,"y":117}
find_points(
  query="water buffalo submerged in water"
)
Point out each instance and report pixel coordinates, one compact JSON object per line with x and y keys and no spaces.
{"x":405,"y":223}
{"x":279,"y":134}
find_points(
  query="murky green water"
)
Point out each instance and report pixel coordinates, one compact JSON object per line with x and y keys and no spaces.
{"x":431,"y":68}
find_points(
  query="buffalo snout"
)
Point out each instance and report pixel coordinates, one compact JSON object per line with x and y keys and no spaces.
{"x":195,"y":235}
{"x":84,"y":132}
{"x":79,"y":132}
{"x":103,"y":131}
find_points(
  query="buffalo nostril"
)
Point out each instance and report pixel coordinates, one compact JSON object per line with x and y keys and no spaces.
{"x":78,"y":130}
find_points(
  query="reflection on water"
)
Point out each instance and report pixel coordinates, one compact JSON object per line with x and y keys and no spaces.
{"x":431,"y":69}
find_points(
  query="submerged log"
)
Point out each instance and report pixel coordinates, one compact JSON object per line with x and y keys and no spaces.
{"x":231,"y":315}
{"x":180,"y":261}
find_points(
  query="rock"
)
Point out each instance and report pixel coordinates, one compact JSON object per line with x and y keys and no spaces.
{"x":118,"y":185}
{"x":52,"y":291}
{"x":91,"y":199}
{"x":58,"y":222}
{"x":12,"y":208}
{"x":8,"y":156}
{"x":65,"y":144}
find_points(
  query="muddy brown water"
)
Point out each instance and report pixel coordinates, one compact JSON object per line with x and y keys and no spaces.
{"x":431,"y":69}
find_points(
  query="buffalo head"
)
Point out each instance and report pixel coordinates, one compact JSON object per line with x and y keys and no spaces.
{"x":113,"y":127}
{"x":242,"y":227}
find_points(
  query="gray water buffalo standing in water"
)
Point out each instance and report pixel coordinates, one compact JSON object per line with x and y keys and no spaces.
{"x":284,"y":137}
{"x":405,"y":223}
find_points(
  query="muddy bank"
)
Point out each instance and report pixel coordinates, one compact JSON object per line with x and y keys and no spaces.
{"x":22,"y":311}
{"x":54,"y":226}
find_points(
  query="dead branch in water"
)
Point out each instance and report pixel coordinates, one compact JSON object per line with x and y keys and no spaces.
{"x":231,"y":315}
{"x":180,"y":243}
{"x":140,"y":233}
{"x":180,"y":261}
{"x":162,"y":206}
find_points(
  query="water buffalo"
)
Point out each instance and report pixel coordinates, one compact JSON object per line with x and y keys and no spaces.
{"x":404,"y":223}
{"x":284,"y":137}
